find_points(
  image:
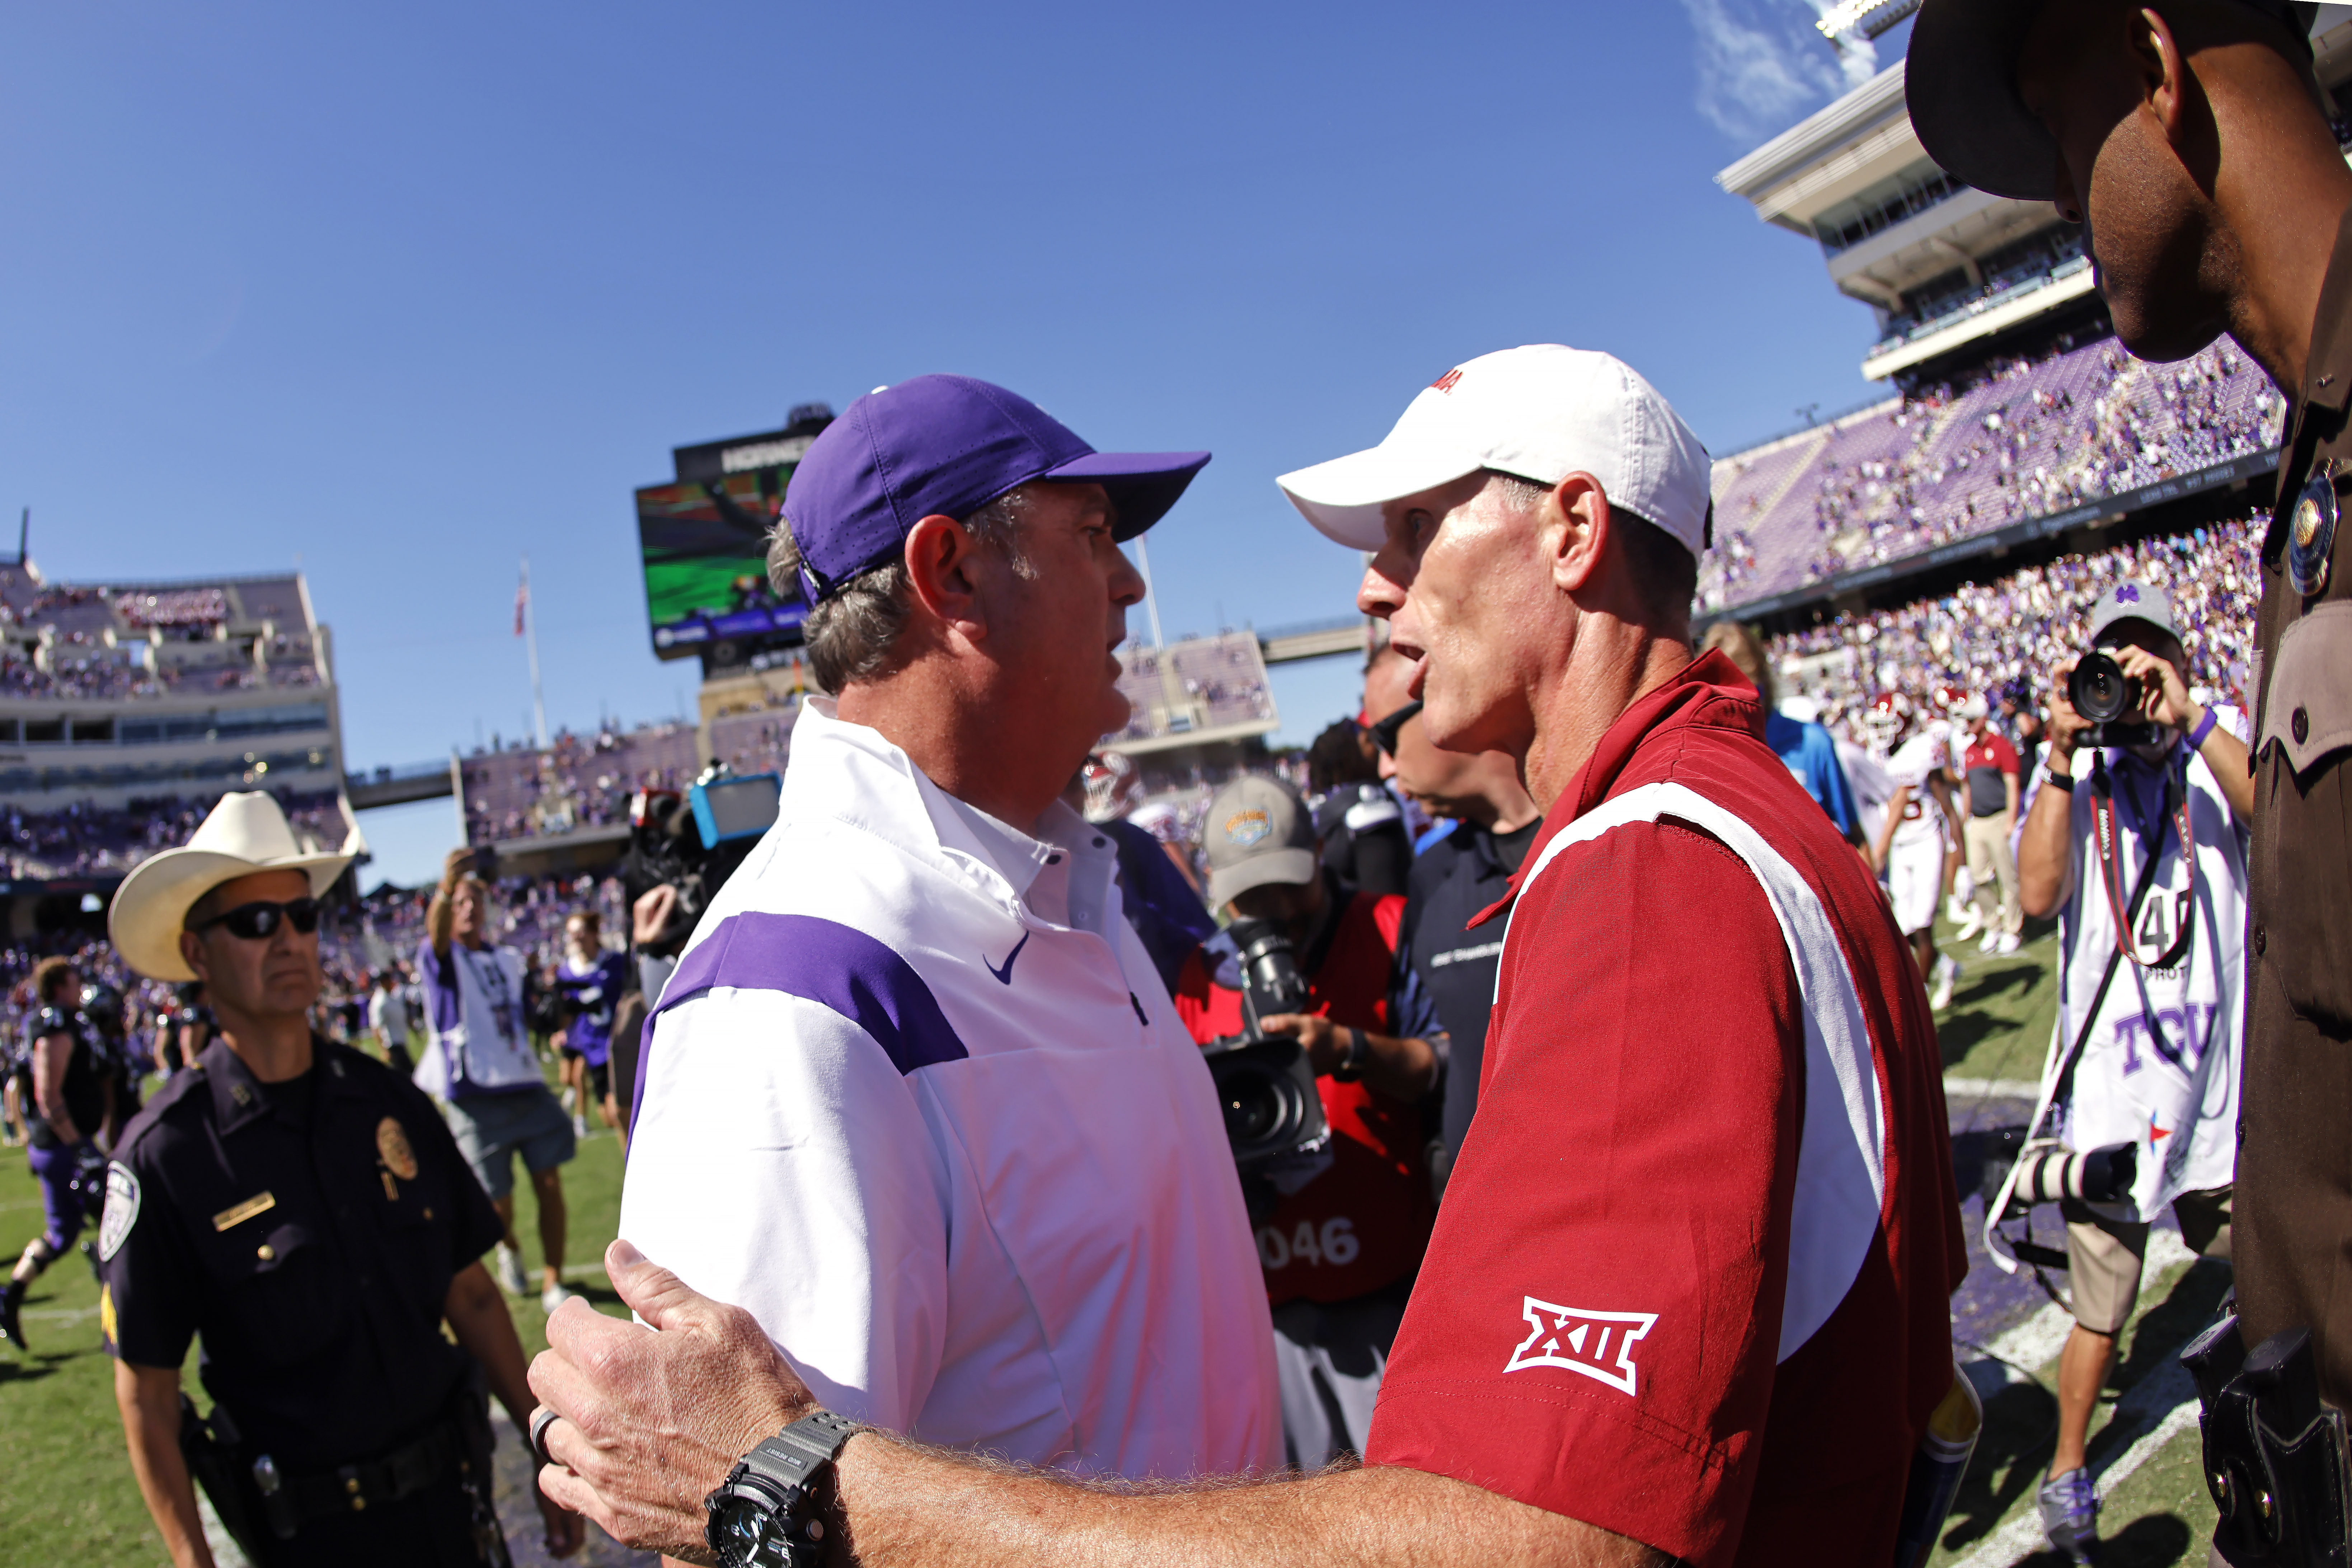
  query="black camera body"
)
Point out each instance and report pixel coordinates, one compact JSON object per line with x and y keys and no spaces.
{"x":676,"y":838}
{"x":2103,"y":694}
{"x":1265,"y":1086}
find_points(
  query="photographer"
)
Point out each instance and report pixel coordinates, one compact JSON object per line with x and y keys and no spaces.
{"x":480,"y":1061}
{"x":2151,"y":998}
{"x":915,"y":1096}
{"x":1339,"y":1252}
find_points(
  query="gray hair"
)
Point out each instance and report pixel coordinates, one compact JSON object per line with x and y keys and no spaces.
{"x":1664,"y":571}
{"x":852,"y":635}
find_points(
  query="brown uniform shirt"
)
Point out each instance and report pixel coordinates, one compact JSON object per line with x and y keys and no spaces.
{"x":2292,"y":1231}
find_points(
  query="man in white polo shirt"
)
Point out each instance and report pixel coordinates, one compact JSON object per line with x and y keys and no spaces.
{"x":916,"y":1095}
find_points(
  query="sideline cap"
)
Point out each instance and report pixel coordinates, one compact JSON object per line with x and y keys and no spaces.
{"x":1960,"y":79}
{"x":1257,"y":831}
{"x":1542,"y":412}
{"x":947,"y":446}
{"x":2133,"y":602}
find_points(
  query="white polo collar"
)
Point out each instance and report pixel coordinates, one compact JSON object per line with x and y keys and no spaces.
{"x":1062,"y":872}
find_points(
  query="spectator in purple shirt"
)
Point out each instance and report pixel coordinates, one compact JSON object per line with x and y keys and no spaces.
{"x":589,"y":982}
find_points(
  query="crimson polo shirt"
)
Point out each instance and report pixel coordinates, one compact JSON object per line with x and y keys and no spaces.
{"x":1690,"y":1282}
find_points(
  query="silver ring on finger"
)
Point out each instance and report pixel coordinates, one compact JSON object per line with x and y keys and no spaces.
{"x":539,"y":1423}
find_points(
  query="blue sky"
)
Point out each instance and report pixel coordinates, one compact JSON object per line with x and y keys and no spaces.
{"x":403,"y":295}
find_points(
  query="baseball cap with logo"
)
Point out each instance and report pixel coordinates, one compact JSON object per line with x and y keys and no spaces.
{"x":2133,"y":602}
{"x":947,"y":446}
{"x":1257,"y":831}
{"x":1542,"y":413}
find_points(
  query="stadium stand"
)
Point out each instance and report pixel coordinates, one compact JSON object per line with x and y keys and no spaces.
{"x":80,"y":839}
{"x":2013,"y":438}
{"x":756,"y":741}
{"x":1200,"y":684}
{"x":2024,"y":624}
{"x":578,"y":782}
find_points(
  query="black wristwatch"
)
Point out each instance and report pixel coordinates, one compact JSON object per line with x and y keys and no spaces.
{"x":1353,"y":1057}
{"x":759,"y":1516}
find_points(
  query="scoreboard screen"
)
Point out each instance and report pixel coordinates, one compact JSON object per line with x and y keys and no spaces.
{"x":703,"y":539}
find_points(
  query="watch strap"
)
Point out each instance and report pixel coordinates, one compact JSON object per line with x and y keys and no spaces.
{"x":2057,"y":780}
{"x":798,"y":1454}
{"x":2204,"y":728}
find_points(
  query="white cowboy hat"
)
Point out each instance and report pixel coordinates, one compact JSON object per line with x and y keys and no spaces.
{"x":245,"y":833}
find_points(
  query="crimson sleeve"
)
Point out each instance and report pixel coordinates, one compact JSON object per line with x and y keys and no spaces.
{"x":1595,"y":1328}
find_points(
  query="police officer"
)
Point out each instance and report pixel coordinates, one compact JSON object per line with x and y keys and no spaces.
{"x":306,"y":1211}
{"x":65,"y":1099}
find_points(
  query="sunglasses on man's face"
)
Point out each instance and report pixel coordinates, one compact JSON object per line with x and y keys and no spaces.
{"x":1384,"y":733}
{"x":259,"y":921}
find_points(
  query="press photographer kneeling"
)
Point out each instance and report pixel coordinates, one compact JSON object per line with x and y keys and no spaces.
{"x":2138,"y":836}
{"x":1340,"y":1239}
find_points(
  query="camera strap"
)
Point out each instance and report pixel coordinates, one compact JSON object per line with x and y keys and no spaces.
{"x":2104,"y":836}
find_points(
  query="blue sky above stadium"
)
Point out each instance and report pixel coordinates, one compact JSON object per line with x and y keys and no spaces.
{"x":402,"y":296}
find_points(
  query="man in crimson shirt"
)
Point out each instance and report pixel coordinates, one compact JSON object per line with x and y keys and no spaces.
{"x":1339,"y":1249}
{"x":1687,"y":1296}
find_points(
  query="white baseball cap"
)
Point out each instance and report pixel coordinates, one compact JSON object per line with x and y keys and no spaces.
{"x":1542,"y":413}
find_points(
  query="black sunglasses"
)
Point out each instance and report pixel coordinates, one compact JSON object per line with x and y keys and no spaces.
{"x":259,"y":921}
{"x":1384,"y":733}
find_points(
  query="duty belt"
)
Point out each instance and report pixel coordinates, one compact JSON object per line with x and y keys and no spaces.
{"x":295,"y":1500}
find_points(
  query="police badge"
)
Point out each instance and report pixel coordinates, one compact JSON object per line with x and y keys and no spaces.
{"x":391,"y":1148}
{"x":121,"y":1211}
{"x":2311,"y":533}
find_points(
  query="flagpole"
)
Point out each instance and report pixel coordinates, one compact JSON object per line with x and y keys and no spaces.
{"x":530,"y":633}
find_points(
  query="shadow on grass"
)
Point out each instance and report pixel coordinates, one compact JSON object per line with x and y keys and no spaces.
{"x":2158,"y":1337}
{"x":1972,"y":1020}
{"x":2152,"y":1540}
{"x":15,"y":1371}
{"x":2020,"y":1430}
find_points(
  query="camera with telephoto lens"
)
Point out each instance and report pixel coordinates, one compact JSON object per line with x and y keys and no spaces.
{"x":1265,"y":1086}
{"x":2102,"y":693}
{"x":2047,"y":1173}
{"x":693,"y":842}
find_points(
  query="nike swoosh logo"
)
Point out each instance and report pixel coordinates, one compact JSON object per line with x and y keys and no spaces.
{"x":1005,"y":975}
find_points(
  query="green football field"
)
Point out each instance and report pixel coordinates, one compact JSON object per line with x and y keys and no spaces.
{"x":66,"y":1494}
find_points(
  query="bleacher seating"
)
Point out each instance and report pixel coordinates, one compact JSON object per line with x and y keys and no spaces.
{"x":2024,"y":625}
{"x":83,"y":840}
{"x":580,"y":781}
{"x":2025,"y":439}
{"x":757,"y":742}
{"x":1199,"y":683}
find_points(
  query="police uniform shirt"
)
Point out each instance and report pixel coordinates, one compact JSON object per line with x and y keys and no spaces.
{"x":2294,"y":1180}
{"x":1451,"y":881}
{"x":309,"y":1231}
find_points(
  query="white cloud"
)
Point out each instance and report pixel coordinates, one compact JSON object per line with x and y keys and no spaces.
{"x":1762,"y":65}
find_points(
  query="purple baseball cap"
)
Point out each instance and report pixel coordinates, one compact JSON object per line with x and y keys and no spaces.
{"x":947,"y":446}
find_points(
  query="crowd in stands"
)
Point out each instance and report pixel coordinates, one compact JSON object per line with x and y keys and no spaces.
{"x":1199,"y":683}
{"x":2024,"y":438}
{"x":578,"y":780}
{"x":2024,"y":625}
{"x":81,"y":840}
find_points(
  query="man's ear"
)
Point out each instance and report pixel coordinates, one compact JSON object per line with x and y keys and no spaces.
{"x":192,"y":950}
{"x":2163,"y":69}
{"x":1574,"y":532}
{"x":942,"y":570}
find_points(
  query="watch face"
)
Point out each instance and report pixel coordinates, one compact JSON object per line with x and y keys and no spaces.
{"x":741,"y":1524}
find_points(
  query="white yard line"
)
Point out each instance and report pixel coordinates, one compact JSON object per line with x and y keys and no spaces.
{"x":2159,"y":1408}
{"x":2023,"y":1088}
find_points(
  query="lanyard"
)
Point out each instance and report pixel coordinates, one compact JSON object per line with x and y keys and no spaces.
{"x":2103,"y":833}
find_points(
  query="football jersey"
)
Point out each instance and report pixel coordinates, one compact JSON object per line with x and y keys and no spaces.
{"x":1915,"y":762}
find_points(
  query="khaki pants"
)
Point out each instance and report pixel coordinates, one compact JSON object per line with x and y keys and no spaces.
{"x":2104,"y":1256}
{"x":1990,"y":860}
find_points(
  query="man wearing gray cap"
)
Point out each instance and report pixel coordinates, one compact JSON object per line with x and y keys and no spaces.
{"x":2192,"y":140}
{"x":1688,"y":1294}
{"x":1339,"y":1249}
{"x":2151,"y":1009}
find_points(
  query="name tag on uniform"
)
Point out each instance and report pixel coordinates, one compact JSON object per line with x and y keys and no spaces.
{"x":260,"y":1203}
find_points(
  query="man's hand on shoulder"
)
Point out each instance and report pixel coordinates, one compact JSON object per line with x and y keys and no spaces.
{"x":653,"y":1416}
